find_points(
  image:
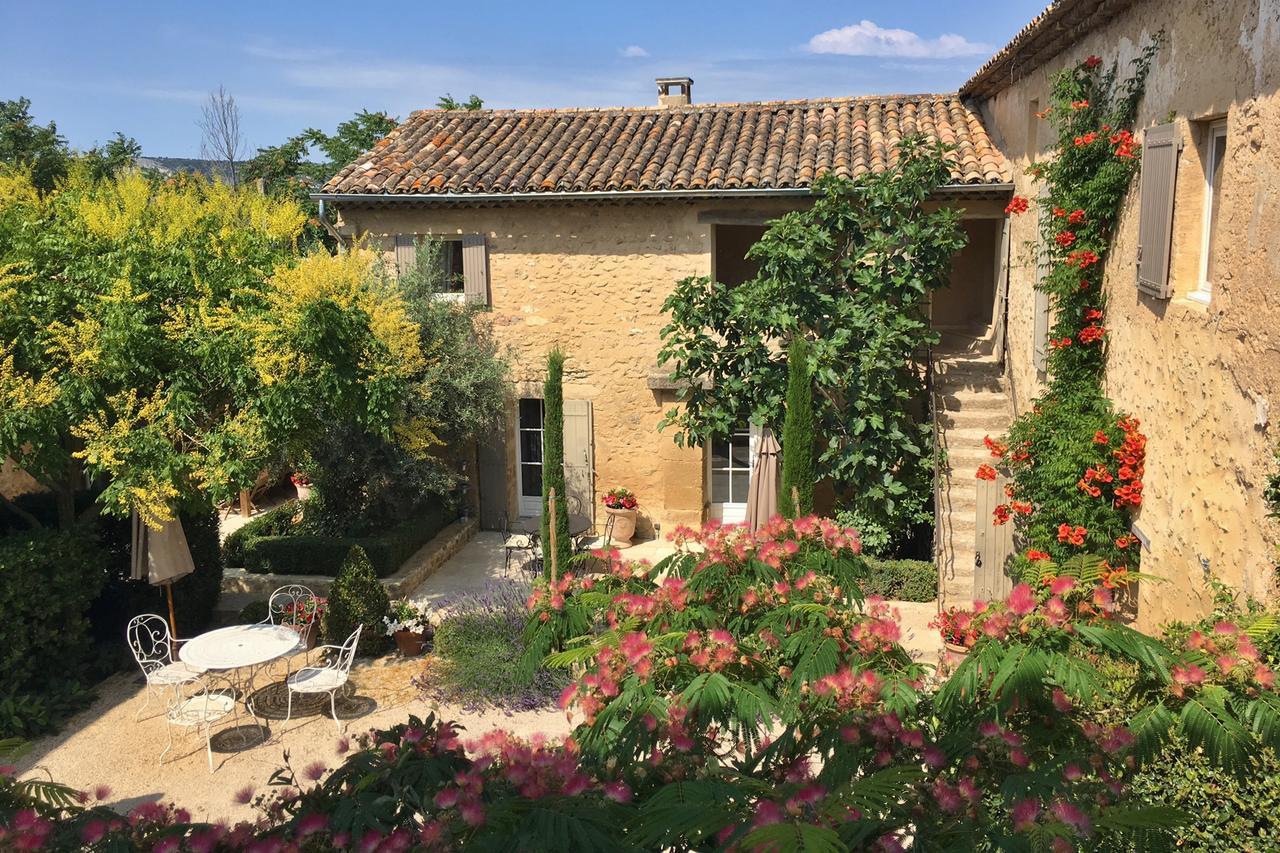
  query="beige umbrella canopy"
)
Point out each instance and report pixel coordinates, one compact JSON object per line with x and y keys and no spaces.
{"x":161,"y":557}
{"x":762,"y":495}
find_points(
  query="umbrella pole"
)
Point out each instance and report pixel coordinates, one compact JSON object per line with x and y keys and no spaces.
{"x":173,"y":625}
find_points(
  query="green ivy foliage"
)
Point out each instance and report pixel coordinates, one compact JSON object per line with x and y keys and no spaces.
{"x":852,"y":274}
{"x":1067,"y":453}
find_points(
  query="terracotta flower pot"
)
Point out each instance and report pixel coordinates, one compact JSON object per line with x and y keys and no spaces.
{"x":624,"y":526}
{"x":410,"y":643}
{"x":956,"y":649}
{"x":307,"y":633}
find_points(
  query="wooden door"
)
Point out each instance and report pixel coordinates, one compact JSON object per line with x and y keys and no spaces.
{"x":994,"y":543}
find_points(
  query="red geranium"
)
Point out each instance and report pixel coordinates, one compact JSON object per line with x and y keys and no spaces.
{"x":1018,"y":204}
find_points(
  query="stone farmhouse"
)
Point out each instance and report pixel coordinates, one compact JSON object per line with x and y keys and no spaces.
{"x":572,"y":226}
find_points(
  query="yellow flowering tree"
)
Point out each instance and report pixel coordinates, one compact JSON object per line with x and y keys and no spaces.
{"x":166,"y":340}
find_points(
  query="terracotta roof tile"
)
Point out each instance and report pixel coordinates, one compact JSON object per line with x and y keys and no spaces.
{"x":772,"y":144}
{"x":1059,"y":26}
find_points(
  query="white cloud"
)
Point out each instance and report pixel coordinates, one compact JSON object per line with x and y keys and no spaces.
{"x":633,"y":51}
{"x":868,"y":39}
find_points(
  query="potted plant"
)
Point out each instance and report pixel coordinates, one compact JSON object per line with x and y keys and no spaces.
{"x":410,"y":625}
{"x":958,"y":629}
{"x":621,"y":504}
{"x":302,"y":483}
{"x":304,"y":617}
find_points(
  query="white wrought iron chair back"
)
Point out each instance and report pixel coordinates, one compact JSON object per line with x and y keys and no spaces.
{"x":152,"y":647}
{"x":150,"y":642}
{"x":347,"y":652}
{"x":293,"y":605}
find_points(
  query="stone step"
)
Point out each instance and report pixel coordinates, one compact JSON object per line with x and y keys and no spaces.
{"x":987,"y":419}
{"x":964,"y":370}
{"x":967,"y":436}
{"x":957,"y":401}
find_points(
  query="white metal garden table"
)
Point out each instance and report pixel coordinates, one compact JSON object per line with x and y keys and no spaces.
{"x":238,"y":651}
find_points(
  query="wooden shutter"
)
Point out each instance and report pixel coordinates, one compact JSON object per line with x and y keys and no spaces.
{"x":475,"y":269}
{"x":994,"y":543}
{"x":1160,"y":148}
{"x":579,"y":461}
{"x":406,"y":253}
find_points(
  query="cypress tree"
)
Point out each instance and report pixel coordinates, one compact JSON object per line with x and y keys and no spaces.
{"x":553,"y":463}
{"x":797,"y":433}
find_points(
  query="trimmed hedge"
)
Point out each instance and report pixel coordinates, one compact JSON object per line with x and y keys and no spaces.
{"x":308,"y":554}
{"x":901,"y":580}
{"x":50,"y":578}
{"x":274,"y":522}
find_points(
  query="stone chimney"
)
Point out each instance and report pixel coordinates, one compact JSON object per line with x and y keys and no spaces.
{"x":682,"y":95}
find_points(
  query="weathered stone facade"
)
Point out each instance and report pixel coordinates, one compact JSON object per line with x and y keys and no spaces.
{"x":1202,"y":378}
{"x":590,"y":277}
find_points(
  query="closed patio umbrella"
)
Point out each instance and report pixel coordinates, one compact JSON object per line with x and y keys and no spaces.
{"x":161,"y":557}
{"x":762,"y":495}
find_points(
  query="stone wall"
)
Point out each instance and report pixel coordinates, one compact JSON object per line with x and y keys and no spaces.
{"x":1202,"y":378}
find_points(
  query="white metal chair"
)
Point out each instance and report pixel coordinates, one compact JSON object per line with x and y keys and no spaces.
{"x":152,"y":647}
{"x":290,"y":606}
{"x":325,"y":679}
{"x":199,"y":711}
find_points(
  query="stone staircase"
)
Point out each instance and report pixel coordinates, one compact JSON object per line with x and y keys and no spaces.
{"x":972,"y":401}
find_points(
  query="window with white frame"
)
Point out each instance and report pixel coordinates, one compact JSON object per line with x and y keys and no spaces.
{"x":1215,"y":154}
{"x":729,"y":462}
{"x":529,"y":455}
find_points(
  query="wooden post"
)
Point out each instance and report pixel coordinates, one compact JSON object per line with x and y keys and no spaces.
{"x":246,"y":507}
{"x":551,"y":532}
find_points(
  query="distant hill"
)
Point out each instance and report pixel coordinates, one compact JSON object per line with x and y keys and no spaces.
{"x":191,"y":165}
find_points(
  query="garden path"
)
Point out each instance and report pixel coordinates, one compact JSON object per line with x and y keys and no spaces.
{"x":481,"y":562}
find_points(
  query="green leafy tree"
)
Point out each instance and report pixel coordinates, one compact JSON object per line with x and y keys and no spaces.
{"x":366,"y":480}
{"x":448,"y":102}
{"x":553,"y":464}
{"x":167,"y":341}
{"x":289,"y":171}
{"x":852,"y":273}
{"x":797,"y":434}
{"x":357,"y":598}
{"x":119,"y":153}
{"x":35,"y":147}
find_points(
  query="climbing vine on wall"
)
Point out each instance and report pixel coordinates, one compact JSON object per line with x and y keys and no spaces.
{"x":1075,"y":462}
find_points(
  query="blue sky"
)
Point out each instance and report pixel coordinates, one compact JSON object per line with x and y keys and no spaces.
{"x":145,"y":68}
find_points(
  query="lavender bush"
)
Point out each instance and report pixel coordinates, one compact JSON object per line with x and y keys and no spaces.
{"x":478,"y":646}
